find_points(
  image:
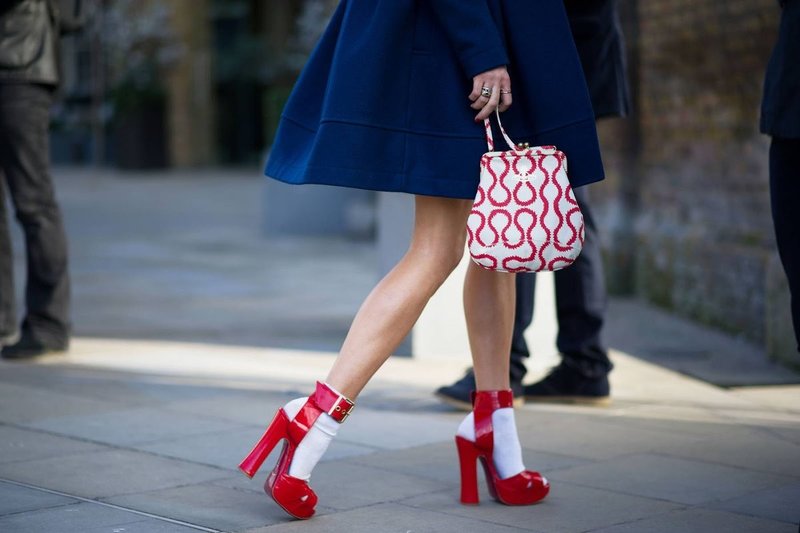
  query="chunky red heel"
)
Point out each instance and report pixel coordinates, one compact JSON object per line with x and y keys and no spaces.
{"x":524,"y":488}
{"x":276,"y":431}
{"x":468,"y":459}
{"x":294,"y":495}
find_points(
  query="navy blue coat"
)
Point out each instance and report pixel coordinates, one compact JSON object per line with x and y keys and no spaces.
{"x":382,"y":103}
{"x":780,"y":108}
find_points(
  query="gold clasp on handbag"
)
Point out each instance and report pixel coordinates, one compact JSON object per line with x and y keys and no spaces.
{"x":523,"y":146}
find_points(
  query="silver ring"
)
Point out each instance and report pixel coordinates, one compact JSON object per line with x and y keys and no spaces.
{"x":505,"y":92}
{"x":486,"y":91}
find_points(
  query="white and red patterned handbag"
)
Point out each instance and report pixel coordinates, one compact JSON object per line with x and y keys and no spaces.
{"x":525,"y":217}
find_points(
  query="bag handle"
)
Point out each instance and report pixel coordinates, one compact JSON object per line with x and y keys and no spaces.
{"x":490,"y":137}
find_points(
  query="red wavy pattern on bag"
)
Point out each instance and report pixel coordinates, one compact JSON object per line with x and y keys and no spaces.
{"x":547,"y":214}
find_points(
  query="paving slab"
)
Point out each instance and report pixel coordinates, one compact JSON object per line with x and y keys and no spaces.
{"x":18,"y":444}
{"x":787,"y":434}
{"x":437,"y":462}
{"x":17,"y":499}
{"x":133,"y":426}
{"x":749,"y":448}
{"x":678,"y":343}
{"x":394,"y":430}
{"x":212,"y":506}
{"x":765,"y":418}
{"x":240,"y":482}
{"x":223,"y":449}
{"x":776,"y":397}
{"x":226,"y":449}
{"x":590,"y":437}
{"x":198,"y":256}
{"x":637,"y":381}
{"x":567,"y":509}
{"x":666,"y":478}
{"x":59,"y":375}
{"x":693,"y":421}
{"x":701,"y":521}
{"x":40,"y":404}
{"x":780,"y":503}
{"x":108,"y":473}
{"x":389,"y":518}
{"x":251,"y":408}
{"x":343,"y":485}
{"x":86,"y":518}
{"x":440,"y":461}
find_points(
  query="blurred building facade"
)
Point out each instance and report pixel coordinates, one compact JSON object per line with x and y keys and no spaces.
{"x":215,"y":72}
{"x":686,"y":206}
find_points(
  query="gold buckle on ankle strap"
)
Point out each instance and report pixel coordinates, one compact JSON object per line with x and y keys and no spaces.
{"x":341,"y":409}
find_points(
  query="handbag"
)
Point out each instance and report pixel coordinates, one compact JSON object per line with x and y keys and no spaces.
{"x":525,"y":217}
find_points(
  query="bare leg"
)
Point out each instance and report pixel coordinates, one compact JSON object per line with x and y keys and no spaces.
{"x":394,"y":305}
{"x":489,"y":299}
{"x":489,"y":305}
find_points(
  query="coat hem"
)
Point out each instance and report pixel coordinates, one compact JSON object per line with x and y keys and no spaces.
{"x":358,"y":179}
{"x":444,"y":135}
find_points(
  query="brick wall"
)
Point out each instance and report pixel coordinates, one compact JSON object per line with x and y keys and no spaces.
{"x":686,"y":205}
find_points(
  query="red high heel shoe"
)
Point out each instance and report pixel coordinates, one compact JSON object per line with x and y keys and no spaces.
{"x":523,"y":489}
{"x":292,"y":494}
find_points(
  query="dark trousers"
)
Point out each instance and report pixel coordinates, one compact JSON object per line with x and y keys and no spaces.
{"x":25,"y":176}
{"x":784,"y":184}
{"x":580,"y":308}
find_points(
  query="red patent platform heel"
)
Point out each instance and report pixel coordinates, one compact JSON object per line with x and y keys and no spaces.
{"x":524,"y":488}
{"x":292,"y":494}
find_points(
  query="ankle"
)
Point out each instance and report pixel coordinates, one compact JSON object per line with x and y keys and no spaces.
{"x":507,"y":452}
{"x":313,"y":446}
{"x":312,"y":413}
{"x":506,"y":448}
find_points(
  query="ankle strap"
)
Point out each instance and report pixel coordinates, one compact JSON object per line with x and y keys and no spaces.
{"x":329,"y":401}
{"x":484,"y":403}
{"x":324,"y":400}
{"x":492,"y":400}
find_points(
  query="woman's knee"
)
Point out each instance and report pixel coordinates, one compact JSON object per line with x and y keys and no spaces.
{"x":439,"y":259}
{"x":440,"y":233}
{"x":452,"y":257}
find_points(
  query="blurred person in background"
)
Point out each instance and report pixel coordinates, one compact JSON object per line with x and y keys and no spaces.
{"x":29,"y":76}
{"x":581,"y":299}
{"x":393,"y":99}
{"x":780,"y":118}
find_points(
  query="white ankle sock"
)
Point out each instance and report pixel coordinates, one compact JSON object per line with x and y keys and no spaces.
{"x":507,"y":452}
{"x":313,"y":446}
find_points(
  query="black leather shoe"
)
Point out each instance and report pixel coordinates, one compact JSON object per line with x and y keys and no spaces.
{"x":28,"y":347}
{"x":565,"y":385}
{"x":459,"y":394}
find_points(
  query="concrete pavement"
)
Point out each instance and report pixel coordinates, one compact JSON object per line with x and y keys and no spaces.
{"x":192,"y":330}
{"x":142,"y":436}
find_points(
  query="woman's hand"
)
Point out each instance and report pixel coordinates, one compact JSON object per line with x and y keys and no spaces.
{"x":490,"y":90}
